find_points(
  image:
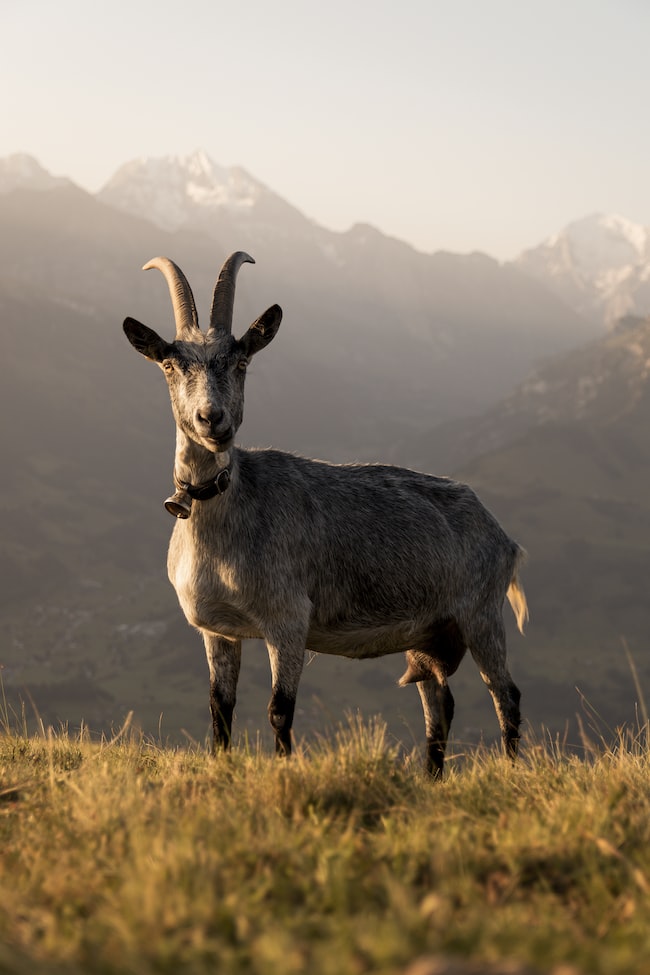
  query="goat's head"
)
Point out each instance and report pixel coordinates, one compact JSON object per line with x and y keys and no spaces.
{"x":205,"y":371}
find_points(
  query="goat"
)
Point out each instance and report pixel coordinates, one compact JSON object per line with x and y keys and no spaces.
{"x":356,"y":560}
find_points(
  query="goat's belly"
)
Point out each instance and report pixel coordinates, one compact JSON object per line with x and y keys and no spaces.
{"x":363,"y":642}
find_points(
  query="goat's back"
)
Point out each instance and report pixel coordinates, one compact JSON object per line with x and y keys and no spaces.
{"x":360,"y":538}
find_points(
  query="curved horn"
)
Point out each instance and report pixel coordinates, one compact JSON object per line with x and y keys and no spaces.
{"x":223,"y":299}
{"x":181,"y":294}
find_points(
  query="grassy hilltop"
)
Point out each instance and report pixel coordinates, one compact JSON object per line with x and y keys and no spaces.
{"x":124,"y":857}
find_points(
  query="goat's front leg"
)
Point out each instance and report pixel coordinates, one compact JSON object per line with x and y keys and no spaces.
{"x":224,"y":659}
{"x":286,"y":656}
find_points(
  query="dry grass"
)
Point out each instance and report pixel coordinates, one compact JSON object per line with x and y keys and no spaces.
{"x":126,"y":857}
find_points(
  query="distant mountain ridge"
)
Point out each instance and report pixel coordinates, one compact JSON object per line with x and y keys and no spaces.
{"x":599,"y":265}
{"x":22,"y":170}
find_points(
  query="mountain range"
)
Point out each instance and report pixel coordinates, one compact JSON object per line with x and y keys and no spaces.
{"x":598,"y":265}
{"x":368,"y":321}
{"x":446,"y":362}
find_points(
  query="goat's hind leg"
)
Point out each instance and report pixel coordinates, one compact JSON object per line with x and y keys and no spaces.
{"x":224,"y":659}
{"x":487,"y":644}
{"x":438,"y":706}
{"x":429,"y":666}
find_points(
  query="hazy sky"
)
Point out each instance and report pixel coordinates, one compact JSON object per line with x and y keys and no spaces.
{"x":456,"y":124}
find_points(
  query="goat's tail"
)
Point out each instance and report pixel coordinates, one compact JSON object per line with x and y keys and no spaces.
{"x":516,"y":595}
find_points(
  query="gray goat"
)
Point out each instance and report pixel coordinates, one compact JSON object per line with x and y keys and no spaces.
{"x":353,"y":560}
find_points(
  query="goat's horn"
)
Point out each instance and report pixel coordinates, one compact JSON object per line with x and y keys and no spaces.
{"x":181,"y":294}
{"x":223,"y":299}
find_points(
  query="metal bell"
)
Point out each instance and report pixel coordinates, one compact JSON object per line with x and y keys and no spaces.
{"x":179,"y":504}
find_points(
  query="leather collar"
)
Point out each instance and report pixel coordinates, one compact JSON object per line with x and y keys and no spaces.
{"x":208,"y":489}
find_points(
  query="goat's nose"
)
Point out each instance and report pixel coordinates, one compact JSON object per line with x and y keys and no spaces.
{"x":209,"y":417}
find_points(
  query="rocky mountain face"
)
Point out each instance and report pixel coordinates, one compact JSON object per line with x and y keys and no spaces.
{"x":379,"y":344}
{"x":600,"y":266}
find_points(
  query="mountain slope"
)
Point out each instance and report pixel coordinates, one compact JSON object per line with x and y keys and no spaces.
{"x":601,"y":382}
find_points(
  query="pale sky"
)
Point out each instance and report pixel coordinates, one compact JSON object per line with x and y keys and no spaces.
{"x":452,"y":124}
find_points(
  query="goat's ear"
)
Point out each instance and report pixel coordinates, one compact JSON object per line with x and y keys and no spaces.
{"x":262,"y":331}
{"x":145,"y":340}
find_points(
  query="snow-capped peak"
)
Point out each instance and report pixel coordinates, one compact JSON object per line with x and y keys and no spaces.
{"x":598,"y":265}
{"x":602,"y":242}
{"x":171,"y":190}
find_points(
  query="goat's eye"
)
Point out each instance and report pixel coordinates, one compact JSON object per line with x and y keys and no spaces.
{"x":168,"y":365}
{"x":243,"y":364}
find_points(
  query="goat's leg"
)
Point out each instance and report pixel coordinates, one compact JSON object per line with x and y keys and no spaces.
{"x":438,"y":706}
{"x":487,"y":643}
{"x":224,"y":658}
{"x":286,"y":669}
